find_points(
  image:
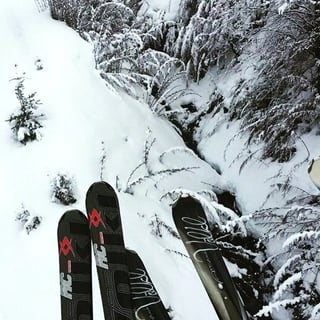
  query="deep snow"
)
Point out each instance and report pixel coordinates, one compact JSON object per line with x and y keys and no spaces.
{"x":81,"y":113}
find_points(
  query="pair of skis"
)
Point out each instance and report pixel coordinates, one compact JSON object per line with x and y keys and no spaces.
{"x":127,"y":291}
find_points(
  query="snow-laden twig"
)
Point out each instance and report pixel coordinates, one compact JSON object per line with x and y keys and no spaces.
{"x":155,"y":174}
{"x":283,"y":269}
{"x":176,"y":150}
{"x":300,"y":236}
{"x":274,"y":306}
{"x":287,"y":284}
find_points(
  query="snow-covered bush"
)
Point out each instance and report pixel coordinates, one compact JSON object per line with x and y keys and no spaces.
{"x":296,"y":283}
{"x":284,"y":102}
{"x":213,"y":32}
{"x":115,"y":57}
{"x":168,"y":80}
{"x":23,"y":216}
{"x":33,"y":224}
{"x":149,"y":173}
{"x":63,"y":189}
{"x":26,"y":121}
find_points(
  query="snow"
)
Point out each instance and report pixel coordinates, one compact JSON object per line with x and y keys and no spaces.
{"x":160,"y":10}
{"x":316,"y":312}
{"x":81,"y":113}
{"x":93,"y":133}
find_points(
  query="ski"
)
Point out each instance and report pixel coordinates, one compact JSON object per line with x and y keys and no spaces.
{"x":193,"y":227}
{"x":146,"y":301}
{"x":75,"y":266}
{"x":110,"y":255}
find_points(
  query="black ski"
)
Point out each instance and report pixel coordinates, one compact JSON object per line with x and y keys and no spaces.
{"x":146,"y":301}
{"x":75,"y":266}
{"x":108,"y":246}
{"x":195,"y":233}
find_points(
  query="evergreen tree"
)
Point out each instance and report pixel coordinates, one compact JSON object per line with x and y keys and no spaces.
{"x":26,"y":122}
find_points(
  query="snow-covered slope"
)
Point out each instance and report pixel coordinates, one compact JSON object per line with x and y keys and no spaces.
{"x":81,"y":113}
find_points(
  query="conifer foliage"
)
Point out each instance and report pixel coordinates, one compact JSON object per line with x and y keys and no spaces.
{"x":296,"y":282}
{"x":26,"y":122}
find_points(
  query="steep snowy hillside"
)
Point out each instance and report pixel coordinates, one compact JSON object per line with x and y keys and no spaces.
{"x":237,"y":82}
{"x":81,"y":113}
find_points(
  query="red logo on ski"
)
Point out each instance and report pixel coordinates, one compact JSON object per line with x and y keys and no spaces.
{"x":66,"y":246}
{"x":95,"y":219}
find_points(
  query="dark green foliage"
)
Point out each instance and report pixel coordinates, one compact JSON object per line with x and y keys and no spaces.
{"x":26,"y":122}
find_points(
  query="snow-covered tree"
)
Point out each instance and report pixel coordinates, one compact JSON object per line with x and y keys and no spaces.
{"x":26,"y":121}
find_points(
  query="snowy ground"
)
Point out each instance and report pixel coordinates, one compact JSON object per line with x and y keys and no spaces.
{"x":81,"y":113}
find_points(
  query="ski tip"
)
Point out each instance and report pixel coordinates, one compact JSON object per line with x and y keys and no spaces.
{"x":185,"y":206}
{"x":101,"y":195}
{"x":100,"y":185}
{"x":130,"y":251}
{"x":185,"y":201}
{"x":70,"y":217}
{"x":71,"y":214}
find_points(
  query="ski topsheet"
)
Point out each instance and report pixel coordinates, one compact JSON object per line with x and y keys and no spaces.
{"x":146,"y":301}
{"x":108,"y":246}
{"x":195,"y":233}
{"x":75,"y":266}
